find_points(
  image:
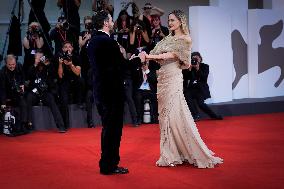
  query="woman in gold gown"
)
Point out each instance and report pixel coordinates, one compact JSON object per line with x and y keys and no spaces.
{"x":180,"y":140}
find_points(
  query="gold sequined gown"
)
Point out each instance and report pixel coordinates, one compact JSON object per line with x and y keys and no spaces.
{"x":180,"y":140}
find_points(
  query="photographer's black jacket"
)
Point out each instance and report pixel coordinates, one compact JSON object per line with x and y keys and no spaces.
{"x":42,"y":74}
{"x":9,"y":81}
{"x":200,"y":77}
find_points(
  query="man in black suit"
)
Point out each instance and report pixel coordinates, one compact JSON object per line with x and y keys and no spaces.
{"x":108,"y":64}
{"x":196,"y":88}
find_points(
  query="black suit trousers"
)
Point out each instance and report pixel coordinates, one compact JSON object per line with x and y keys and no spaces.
{"x":111,"y":114}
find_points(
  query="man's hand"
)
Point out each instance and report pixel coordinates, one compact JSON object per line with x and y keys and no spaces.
{"x":60,"y":60}
{"x":67,"y":63}
{"x":122,"y":50}
{"x":142,"y":56}
{"x":87,"y":36}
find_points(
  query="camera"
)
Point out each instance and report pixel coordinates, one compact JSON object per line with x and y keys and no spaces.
{"x":34,"y":30}
{"x":66,"y":56}
{"x":89,"y":27}
{"x":194,"y":61}
{"x":42,"y":59}
{"x":139,"y":27}
{"x":63,"y":23}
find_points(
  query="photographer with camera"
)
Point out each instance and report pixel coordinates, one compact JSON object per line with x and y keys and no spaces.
{"x":158,"y":31}
{"x":32,"y":42}
{"x":196,"y":88}
{"x":71,"y":13}
{"x":12,"y":90}
{"x":138,"y":38}
{"x":99,"y":5}
{"x":41,"y":82}
{"x":122,"y":27}
{"x":146,"y":17}
{"x":86,"y":72}
{"x":62,"y":32}
{"x":69,"y":71}
{"x":145,"y":87}
{"x":84,"y":39}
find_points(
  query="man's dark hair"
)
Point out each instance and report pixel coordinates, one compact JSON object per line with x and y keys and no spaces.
{"x":99,"y":18}
{"x":197,"y":54}
{"x":67,"y":42}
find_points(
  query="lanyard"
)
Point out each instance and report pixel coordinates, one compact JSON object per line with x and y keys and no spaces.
{"x":61,"y":35}
{"x":139,"y":40}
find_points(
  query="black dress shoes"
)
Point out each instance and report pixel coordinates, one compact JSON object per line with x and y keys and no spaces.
{"x":118,"y":170}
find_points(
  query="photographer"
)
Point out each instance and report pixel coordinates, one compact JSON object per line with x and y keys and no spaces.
{"x":122,"y":26}
{"x":158,"y":31}
{"x":84,"y":39}
{"x":138,"y":38}
{"x":42,"y":81}
{"x":37,"y":14}
{"x":71,"y":13}
{"x":69,"y":70}
{"x":145,"y":87}
{"x":196,"y":88}
{"x":62,"y":32}
{"x":12,"y":89}
{"x":146,"y":17}
{"x":86,"y":72}
{"x":99,"y":5}
{"x":32,"y":42}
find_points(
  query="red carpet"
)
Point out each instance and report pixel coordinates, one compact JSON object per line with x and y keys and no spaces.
{"x":252,"y":147}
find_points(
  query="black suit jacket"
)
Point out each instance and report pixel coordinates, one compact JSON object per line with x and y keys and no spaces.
{"x":201,"y":87}
{"x":109,"y":67}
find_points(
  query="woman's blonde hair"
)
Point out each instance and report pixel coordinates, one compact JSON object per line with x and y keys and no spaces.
{"x":182,"y":18}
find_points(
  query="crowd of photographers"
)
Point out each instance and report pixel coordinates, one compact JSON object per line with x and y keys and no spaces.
{"x":56,"y":70}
